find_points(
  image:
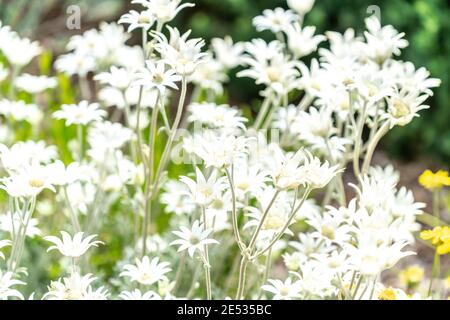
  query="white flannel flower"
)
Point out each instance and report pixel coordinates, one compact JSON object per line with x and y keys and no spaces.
{"x":229,"y":54}
{"x":28,"y":182}
{"x":286,"y":290}
{"x":136,"y":294}
{"x":156,"y":76}
{"x":74,"y":287}
{"x":20,"y":51}
{"x":194,"y":239}
{"x":383,"y":42}
{"x":6,"y":284}
{"x":34,"y":84}
{"x":275,"y":20}
{"x":180,"y":53}
{"x":81,"y":114}
{"x":302,"y":41}
{"x":302,"y":7}
{"x":138,"y":20}
{"x":72,"y":247}
{"x":119,"y":78}
{"x":146,"y":272}
{"x":164,"y":10}
{"x":404,"y":106}
{"x":202,"y":190}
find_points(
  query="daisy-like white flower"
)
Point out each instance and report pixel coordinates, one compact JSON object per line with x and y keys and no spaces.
{"x":136,"y":294}
{"x":164,"y":10}
{"x":182,"y":54}
{"x":35,"y":84}
{"x":383,"y":42}
{"x":4,"y":243}
{"x":28,"y":181}
{"x":81,"y":114}
{"x":285,"y":169}
{"x":72,"y":247}
{"x":194,"y":239}
{"x":217,"y":116}
{"x":21,"y":111}
{"x":119,"y":78}
{"x":220,"y":151}
{"x":6,"y":284}
{"x":176,"y":199}
{"x":229,"y":54}
{"x":20,"y":51}
{"x":156,"y":76}
{"x":302,"y":7}
{"x":106,"y":136}
{"x":302,"y":41}
{"x":146,"y":272}
{"x":74,"y":287}
{"x":136,"y":20}
{"x":275,"y":20}
{"x":75,"y":63}
{"x":404,"y":106}
{"x":286,"y":290}
{"x":318,"y":175}
{"x":202,"y":190}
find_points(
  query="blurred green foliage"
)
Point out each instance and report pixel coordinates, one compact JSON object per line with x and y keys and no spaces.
{"x":425,"y":22}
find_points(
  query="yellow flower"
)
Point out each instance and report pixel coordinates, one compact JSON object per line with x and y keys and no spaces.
{"x":447,"y":282}
{"x":387,"y":294}
{"x":437,"y":236}
{"x":411,"y":276}
{"x":432,"y":181}
{"x":444,"y":248}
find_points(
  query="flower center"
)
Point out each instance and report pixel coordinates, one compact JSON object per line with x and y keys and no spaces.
{"x":36,"y":183}
{"x":401,"y":109}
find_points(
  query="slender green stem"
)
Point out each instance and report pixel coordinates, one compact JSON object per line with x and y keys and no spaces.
{"x":262,"y":112}
{"x":286,"y":225}
{"x":173,"y":132}
{"x":436,"y":206}
{"x":266,"y":271}
{"x":73,"y":215}
{"x":234,"y":217}
{"x":207,"y":265}
{"x":373,"y":144}
{"x":180,"y":270}
{"x":80,"y":142}
{"x":435,"y":272}
{"x":358,"y":284}
{"x":242,"y":276}
{"x":261,"y":222}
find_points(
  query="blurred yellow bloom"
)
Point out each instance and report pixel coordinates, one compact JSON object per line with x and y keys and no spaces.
{"x":387,"y":294}
{"x":447,"y":282}
{"x":437,"y":236}
{"x":444,"y":248}
{"x":411,"y":276}
{"x":432,"y":181}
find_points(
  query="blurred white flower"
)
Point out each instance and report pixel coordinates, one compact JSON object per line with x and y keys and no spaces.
{"x":7,"y":281}
{"x":34,"y":84}
{"x":80,"y":114}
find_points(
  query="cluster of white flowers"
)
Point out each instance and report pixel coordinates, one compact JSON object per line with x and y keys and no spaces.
{"x":244,"y":186}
